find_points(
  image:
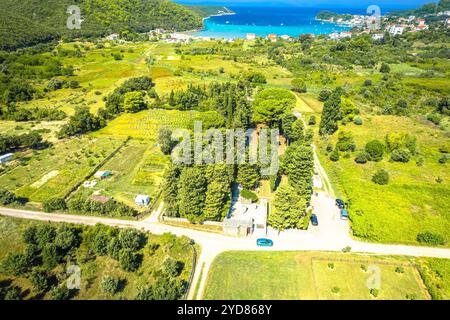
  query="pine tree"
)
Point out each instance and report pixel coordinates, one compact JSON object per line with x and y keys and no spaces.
{"x":192,"y":194}
{"x":170,"y":191}
{"x":248,"y":176}
{"x":331,"y":113}
{"x":289,"y":209}
{"x":298,"y":164}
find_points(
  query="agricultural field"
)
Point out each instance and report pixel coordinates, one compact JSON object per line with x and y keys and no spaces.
{"x":312,"y":276}
{"x":97,"y":73}
{"x":145,"y":125}
{"x":138,"y":168}
{"x":41,"y":175}
{"x":94,"y":268}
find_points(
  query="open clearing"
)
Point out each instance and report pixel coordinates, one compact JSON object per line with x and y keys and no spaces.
{"x":303,"y":275}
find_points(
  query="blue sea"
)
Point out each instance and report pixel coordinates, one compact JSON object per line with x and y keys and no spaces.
{"x":263,"y":18}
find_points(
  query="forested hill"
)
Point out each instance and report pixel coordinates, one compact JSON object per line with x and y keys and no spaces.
{"x":28,"y":22}
{"x":207,"y":11}
{"x":430,"y":8}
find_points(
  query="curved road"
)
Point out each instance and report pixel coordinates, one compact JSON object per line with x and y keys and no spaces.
{"x":315,"y":239}
{"x":332,"y":234}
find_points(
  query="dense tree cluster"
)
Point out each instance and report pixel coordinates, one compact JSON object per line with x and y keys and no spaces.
{"x":88,"y":206}
{"x":26,"y":140}
{"x":198,"y":193}
{"x":229,"y":99}
{"x":27,"y":23}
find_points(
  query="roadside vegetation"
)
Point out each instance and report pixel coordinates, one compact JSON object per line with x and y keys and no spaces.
{"x":42,"y":260}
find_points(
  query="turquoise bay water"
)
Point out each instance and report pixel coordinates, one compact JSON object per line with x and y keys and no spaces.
{"x":263,"y":21}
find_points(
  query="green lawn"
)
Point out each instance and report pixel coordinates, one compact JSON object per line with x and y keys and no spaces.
{"x":304,"y":276}
{"x":413,"y":201}
{"x":138,"y":168}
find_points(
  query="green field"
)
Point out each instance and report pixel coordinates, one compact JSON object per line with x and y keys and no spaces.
{"x":137,"y":168}
{"x":310,"y":276}
{"x":146,"y":124}
{"x":414,"y":201}
{"x":45,"y":174}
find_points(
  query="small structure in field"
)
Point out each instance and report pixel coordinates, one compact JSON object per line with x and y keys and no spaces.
{"x":272,"y":37}
{"x":90,"y":184}
{"x":251,"y":36}
{"x":101,"y":199}
{"x":102,"y":174}
{"x":142,"y":200}
{"x":6,"y":158}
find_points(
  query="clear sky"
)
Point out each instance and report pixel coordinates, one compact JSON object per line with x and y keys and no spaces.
{"x":344,"y":3}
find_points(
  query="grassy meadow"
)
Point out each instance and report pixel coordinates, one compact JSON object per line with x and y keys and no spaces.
{"x":306,"y":276}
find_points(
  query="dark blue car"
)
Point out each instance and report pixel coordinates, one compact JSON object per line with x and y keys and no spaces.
{"x":314,"y":220}
{"x":264,"y":242}
{"x":340,"y":203}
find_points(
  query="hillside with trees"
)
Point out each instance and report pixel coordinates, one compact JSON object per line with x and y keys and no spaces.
{"x":30,"y":22}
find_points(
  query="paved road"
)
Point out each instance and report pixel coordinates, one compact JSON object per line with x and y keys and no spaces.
{"x":315,"y":239}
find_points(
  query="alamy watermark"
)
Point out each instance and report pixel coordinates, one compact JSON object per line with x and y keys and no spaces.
{"x":230,"y":146}
{"x":74,"y":20}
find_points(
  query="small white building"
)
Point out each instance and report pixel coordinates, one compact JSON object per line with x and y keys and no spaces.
{"x":378,"y":36}
{"x":251,"y":36}
{"x":112,"y":37}
{"x":102,"y":174}
{"x":6,"y":158}
{"x":396,"y":30}
{"x":142,"y":200}
{"x":286,"y":37}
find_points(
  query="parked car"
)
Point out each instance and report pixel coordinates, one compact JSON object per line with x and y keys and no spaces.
{"x":344,"y":214}
{"x":314,"y":220}
{"x":340,"y":203}
{"x":264,"y":242}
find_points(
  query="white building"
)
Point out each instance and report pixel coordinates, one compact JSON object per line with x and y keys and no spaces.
{"x":251,"y":36}
{"x":378,"y":36}
{"x":396,"y":30}
{"x":6,"y":158}
{"x":112,"y":37}
{"x":142,"y":200}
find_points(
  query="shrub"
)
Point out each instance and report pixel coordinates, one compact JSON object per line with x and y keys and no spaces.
{"x":358,"y":121}
{"x":401,"y":155}
{"x":435,"y":118}
{"x":364,"y":267}
{"x":129,"y":260}
{"x":347,"y":249}
{"x":13,"y":293}
{"x":368,"y":83}
{"x":430,"y":238}
{"x":385,"y":68}
{"x":39,"y":279}
{"x":374,"y":292}
{"x":334,"y":156}
{"x":335,"y":290}
{"x":171,"y":267}
{"x":110,"y":285}
{"x":444,"y":159}
{"x":7,"y":197}
{"x":331,"y":265}
{"x":362,"y":158}
{"x":312,"y":120}
{"x":60,"y":292}
{"x":132,"y":239}
{"x":249,"y":195}
{"x":329,"y":147}
{"x":375,"y":150}
{"x":324,"y":95}
{"x":400,"y":270}
{"x":381,"y":177}
{"x":50,"y":256}
{"x":299,"y":85}
{"x":345,"y":141}
{"x":55,"y":204}
{"x":15,"y":264}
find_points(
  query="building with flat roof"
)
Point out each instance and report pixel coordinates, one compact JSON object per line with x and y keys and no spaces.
{"x":6,"y":158}
{"x":142,"y":200}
